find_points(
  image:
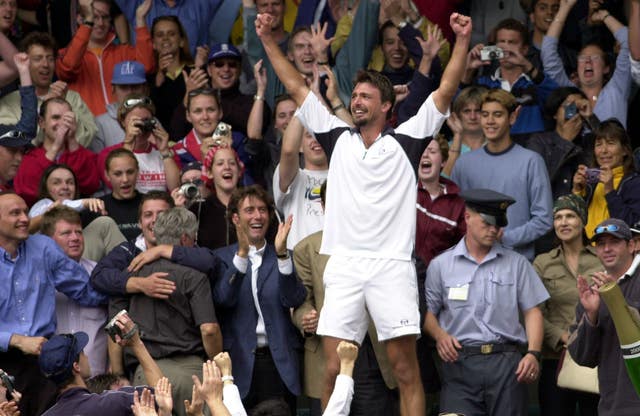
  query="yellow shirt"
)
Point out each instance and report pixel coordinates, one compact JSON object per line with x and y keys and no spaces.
{"x":598,"y":210}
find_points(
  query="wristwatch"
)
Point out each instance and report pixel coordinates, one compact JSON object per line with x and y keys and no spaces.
{"x":536,"y":354}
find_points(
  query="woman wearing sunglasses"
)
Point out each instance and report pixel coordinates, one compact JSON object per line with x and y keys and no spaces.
{"x":149,"y":141}
{"x":612,"y":187}
{"x":559,"y":270}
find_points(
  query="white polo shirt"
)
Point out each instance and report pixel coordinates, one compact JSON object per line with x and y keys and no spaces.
{"x":371,"y":193}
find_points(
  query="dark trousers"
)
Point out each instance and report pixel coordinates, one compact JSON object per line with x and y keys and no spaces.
{"x":371,"y":395}
{"x":38,"y":393}
{"x":266,"y":383}
{"x":479,"y":384}
{"x":556,"y":401}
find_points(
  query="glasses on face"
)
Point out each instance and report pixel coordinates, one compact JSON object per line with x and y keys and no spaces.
{"x":587,"y":58}
{"x":230,"y":64}
{"x":13,"y":134}
{"x":196,"y":182}
{"x":132,"y":102}
{"x":612,"y":228}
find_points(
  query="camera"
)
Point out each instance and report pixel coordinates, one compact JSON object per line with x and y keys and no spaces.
{"x":190,"y":190}
{"x":112,"y":329}
{"x":593,"y":176}
{"x":491,"y":53}
{"x":9,"y":383}
{"x":147,"y":124}
{"x":570,"y":110}
{"x":222,"y":135}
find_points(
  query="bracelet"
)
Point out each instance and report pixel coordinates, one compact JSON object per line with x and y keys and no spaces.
{"x":167,"y":155}
{"x":258,"y":97}
{"x":322,"y":62}
{"x":338,"y":107}
{"x":283,"y":256}
{"x":454,"y":150}
{"x":536,"y":354}
{"x":88,"y":23}
{"x":227,"y":378}
{"x":605,"y":18}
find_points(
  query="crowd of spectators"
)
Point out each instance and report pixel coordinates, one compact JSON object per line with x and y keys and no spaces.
{"x":380,"y":207}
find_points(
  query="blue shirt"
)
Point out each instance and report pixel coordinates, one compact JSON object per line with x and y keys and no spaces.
{"x":28,"y":284}
{"x":503,"y":284}
{"x":80,"y":401}
{"x":195,"y":16}
{"x":521,"y":174}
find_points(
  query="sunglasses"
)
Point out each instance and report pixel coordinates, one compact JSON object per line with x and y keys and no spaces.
{"x":196,"y":182}
{"x":612,"y":228}
{"x":132,"y":102}
{"x":230,"y":64}
{"x":13,"y":134}
{"x":202,"y":91}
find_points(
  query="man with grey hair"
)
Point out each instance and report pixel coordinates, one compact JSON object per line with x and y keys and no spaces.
{"x":181,"y":331}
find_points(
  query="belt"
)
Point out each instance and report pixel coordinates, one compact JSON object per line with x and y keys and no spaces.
{"x":262,"y":351}
{"x":486,"y":349}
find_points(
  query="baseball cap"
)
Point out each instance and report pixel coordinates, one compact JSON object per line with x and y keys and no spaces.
{"x":614,"y":227}
{"x":59,"y":353}
{"x":10,"y":136}
{"x":491,"y":205}
{"x":223,"y":50}
{"x":195,"y":165}
{"x":128,"y":73}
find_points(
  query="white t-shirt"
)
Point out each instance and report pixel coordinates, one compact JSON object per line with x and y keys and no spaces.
{"x":151,"y":176}
{"x":371,"y":193}
{"x":302,"y":200}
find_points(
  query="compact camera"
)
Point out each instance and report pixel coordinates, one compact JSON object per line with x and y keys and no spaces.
{"x":222,"y":135}
{"x":190,"y":190}
{"x":112,"y":329}
{"x":593,"y":176}
{"x":9,"y":383}
{"x":570,"y":110}
{"x":491,"y":53}
{"x":147,"y":124}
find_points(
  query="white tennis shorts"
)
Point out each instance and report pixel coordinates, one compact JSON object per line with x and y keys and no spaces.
{"x":386,"y":288}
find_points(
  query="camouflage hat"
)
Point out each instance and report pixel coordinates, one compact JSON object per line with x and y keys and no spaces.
{"x":573,"y":202}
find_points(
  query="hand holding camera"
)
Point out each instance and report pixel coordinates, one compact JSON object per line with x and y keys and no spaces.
{"x":122,"y":330}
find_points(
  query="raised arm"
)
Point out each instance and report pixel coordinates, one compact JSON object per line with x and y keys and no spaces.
{"x":634,"y":30}
{"x":289,"y":159}
{"x":8,"y":71}
{"x":286,"y":72}
{"x":454,"y":71}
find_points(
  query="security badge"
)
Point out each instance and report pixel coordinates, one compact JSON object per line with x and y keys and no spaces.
{"x":459,"y":293}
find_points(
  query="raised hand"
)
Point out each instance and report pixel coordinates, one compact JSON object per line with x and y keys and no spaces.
{"x":260,"y":75}
{"x":202,"y":55}
{"x":58,"y":89}
{"x":282,"y":234}
{"x":589,"y":299}
{"x":319,"y":41}
{"x":460,"y":24}
{"x":195,"y":406}
{"x":263,"y":25}
{"x":163,"y":397}
{"x":223,"y":361}
{"x":141,"y":13}
{"x":21,"y":59}
{"x":143,"y":405}
{"x":433,"y":43}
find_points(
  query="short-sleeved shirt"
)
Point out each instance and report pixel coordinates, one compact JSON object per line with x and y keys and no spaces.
{"x":497,"y":289}
{"x":302,"y":200}
{"x":371,"y":192}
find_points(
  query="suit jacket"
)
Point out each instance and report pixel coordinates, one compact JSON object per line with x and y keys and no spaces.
{"x":310,"y":266}
{"x":277,"y":293}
